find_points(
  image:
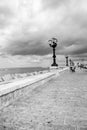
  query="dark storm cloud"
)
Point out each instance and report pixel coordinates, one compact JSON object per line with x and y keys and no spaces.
{"x":74,"y":49}
{"x":65,"y":19}
{"x":80,"y":50}
{"x":28,"y":48}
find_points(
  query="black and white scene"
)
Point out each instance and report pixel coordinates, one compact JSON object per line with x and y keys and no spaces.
{"x":43,"y":64}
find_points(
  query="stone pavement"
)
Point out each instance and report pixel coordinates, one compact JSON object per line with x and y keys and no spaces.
{"x":60,"y":104}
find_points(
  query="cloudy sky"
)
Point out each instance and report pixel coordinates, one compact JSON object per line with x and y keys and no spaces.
{"x":27,"y":25}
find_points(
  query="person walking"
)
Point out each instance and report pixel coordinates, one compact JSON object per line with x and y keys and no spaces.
{"x":72,"y":66}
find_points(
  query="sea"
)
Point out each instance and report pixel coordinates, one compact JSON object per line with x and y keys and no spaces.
{"x":4,"y":71}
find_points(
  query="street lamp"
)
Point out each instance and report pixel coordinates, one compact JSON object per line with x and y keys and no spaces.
{"x":53,"y":44}
{"x":67,"y":61}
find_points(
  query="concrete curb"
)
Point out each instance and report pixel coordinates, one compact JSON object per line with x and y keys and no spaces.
{"x":12,"y":91}
{"x":16,"y":89}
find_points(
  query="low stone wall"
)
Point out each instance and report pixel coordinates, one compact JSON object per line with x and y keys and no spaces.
{"x":9,"y":94}
{"x":11,"y":77}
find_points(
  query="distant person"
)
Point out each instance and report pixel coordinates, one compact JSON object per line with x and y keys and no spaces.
{"x":72,"y":66}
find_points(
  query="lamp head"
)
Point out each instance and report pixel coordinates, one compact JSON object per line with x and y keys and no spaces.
{"x":53,"y":42}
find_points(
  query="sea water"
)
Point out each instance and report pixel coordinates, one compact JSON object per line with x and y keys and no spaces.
{"x":20,"y":70}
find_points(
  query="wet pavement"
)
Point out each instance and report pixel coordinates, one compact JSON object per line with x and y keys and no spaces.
{"x":60,"y":104}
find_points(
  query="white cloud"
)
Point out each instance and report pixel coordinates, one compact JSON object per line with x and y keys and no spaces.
{"x":27,"y":25}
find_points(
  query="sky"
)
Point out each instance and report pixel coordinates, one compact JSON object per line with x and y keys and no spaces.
{"x":27,"y":25}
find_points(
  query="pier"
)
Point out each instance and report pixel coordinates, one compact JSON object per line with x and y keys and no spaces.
{"x":43,"y":65}
{"x":59,"y":104}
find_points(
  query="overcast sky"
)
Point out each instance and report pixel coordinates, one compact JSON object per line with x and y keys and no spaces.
{"x":27,"y":25}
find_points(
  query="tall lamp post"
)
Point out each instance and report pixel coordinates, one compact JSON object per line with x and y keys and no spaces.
{"x":67,"y":61}
{"x":53,"y":44}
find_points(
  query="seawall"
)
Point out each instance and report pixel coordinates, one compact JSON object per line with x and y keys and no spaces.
{"x":11,"y":91}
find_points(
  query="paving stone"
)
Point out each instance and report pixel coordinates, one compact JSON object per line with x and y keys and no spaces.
{"x":60,"y":104}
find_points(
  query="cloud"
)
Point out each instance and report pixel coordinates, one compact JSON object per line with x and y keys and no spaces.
{"x":5,"y":15}
{"x":27,"y":25}
{"x":27,"y":48}
{"x":53,"y":4}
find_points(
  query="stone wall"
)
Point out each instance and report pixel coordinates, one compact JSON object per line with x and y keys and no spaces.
{"x":7,"y":98}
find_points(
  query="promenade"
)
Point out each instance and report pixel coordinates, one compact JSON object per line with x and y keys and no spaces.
{"x":60,"y":104}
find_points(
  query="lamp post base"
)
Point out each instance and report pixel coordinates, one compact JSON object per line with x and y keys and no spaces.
{"x":54,"y":65}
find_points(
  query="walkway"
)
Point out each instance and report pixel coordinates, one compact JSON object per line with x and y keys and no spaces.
{"x":60,"y":104}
